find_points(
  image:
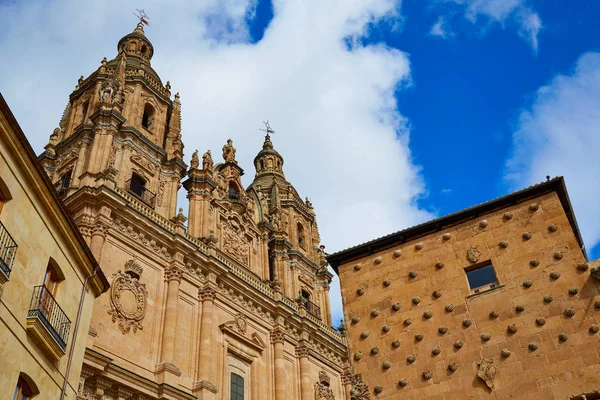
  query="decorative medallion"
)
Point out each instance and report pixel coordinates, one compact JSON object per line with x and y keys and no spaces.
{"x":487,"y":371}
{"x":473,"y":254}
{"x":128,"y":298}
{"x":240,"y":323}
{"x":234,"y":241}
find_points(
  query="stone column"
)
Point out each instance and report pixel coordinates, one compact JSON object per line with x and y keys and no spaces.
{"x":277,"y":338}
{"x":173,"y":278}
{"x":327,"y":303}
{"x":306,"y":390}
{"x":207,"y":296}
{"x":98,"y":238}
{"x":347,"y":381}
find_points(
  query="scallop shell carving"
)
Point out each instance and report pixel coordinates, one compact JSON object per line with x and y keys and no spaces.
{"x":355,"y":319}
{"x":416,"y":300}
{"x":527,"y":235}
{"x":385,"y":328}
{"x":534,"y":207}
{"x":459,"y":344}
{"x":364,"y":334}
{"x":413,"y":274}
{"x":387,"y":283}
{"x":397,"y":253}
{"x":505,"y":353}
{"x":374,"y":312}
{"x":466,"y":323}
{"x":419,"y":337}
{"x":418,"y":246}
{"x":594,"y":329}
{"x":512,"y":328}
{"x":452,"y":367}
{"x":527,"y":283}
{"x":540,"y":321}
{"x":555,"y":275}
{"x":494,"y":315}
{"x":377,"y":260}
{"x":396,"y":344}
{"x":375,"y":350}
{"x":439,"y":265}
{"x":449,"y":307}
{"x":357,"y":267}
{"x":437,"y":294}
{"x":553,"y":228}
{"x":407,"y":321}
{"x":573,"y":291}
{"x":569,"y":312}
{"x":378,"y":389}
{"x":443,"y":330}
{"x":396,"y":306}
{"x":548,"y":298}
{"x":483,"y":223}
{"x":357,"y":356}
{"x":411,"y":359}
{"x":360,"y":291}
{"x":386,"y":365}
{"x":582,"y":267}
{"x":436,"y":350}
{"x":534,"y":263}
{"x":403,"y":382}
{"x":446,"y":236}
{"x":485,"y":337}
{"x":558,"y":255}
{"x":563,"y":337}
{"x":427,"y":375}
{"x":532,"y":346}
{"x":427,"y":314}
{"x":520,"y":308}
{"x":597,"y":304}
{"x":507,"y":216}
{"x":503,"y":244}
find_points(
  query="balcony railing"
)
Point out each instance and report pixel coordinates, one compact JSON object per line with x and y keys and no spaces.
{"x":47,"y":311}
{"x":8,"y":249}
{"x":312,"y":308}
{"x":140,"y":191}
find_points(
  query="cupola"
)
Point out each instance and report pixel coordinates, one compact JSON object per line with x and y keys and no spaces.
{"x":268,"y":161}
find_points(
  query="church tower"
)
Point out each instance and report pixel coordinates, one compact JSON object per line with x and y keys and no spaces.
{"x":229,"y":303}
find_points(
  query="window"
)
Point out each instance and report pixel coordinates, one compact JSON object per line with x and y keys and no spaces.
{"x":63,"y":183}
{"x":137,"y":185}
{"x":48,"y":294}
{"x":84,"y":111}
{"x":148,"y":117}
{"x":233,"y":193}
{"x":482,"y":278}
{"x":22,"y":391}
{"x":300,"y":230}
{"x":305,"y":294}
{"x":237,"y":387}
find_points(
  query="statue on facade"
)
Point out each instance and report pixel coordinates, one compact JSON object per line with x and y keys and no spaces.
{"x":207,"y":161}
{"x":54,"y":137}
{"x":229,"y":152}
{"x":195,"y":161}
{"x":110,"y":92}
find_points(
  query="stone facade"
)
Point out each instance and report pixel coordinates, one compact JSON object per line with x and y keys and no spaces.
{"x":39,"y":336}
{"x":241,"y":289}
{"x":417,"y":330}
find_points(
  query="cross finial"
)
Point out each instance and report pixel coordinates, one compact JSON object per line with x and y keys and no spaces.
{"x":141,"y":15}
{"x":267,"y":128}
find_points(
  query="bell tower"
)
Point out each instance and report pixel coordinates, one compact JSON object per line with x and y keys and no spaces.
{"x":121,"y":129}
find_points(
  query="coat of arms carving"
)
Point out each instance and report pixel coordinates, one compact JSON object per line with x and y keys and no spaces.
{"x":322,"y":389}
{"x":359,"y":389}
{"x":128,"y":298}
{"x":240,"y":323}
{"x":487,"y":371}
{"x":234,"y":241}
{"x":473,"y":254}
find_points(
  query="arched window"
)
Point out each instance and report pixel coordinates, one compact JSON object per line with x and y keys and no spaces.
{"x":262,"y":164}
{"x":305,"y":294}
{"x":237,"y":387}
{"x":137,"y":185}
{"x":63,"y":183}
{"x":300,"y":230}
{"x":84,"y":111}
{"x":132,"y":45}
{"x":25,"y":389}
{"x":233,"y":192}
{"x":144,"y":48}
{"x":148,"y":117}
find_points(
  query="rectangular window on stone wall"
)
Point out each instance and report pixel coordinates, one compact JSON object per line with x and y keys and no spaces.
{"x":482,"y":278}
{"x":237,"y":387}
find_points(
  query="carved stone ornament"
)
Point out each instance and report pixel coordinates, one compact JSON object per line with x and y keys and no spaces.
{"x":439,"y":264}
{"x":397,"y":253}
{"x":143,"y":162}
{"x":548,"y":298}
{"x":110,"y":92}
{"x":473,"y":254}
{"x":322,"y":389}
{"x":487,"y":371}
{"x":359,"y":390}
{"x":234,"y":241}
{"x":128,"y":298}
{"x":240,"y":323}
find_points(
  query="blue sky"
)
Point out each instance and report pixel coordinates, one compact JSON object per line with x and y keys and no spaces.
{"x":388,"y":113}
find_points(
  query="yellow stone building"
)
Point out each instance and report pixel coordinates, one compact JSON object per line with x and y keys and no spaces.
{"x":48,"y":278}
{"x":497,"y":301}
{"x":233,"y":305}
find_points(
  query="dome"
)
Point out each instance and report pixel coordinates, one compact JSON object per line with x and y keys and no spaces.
{"x":138,"y":50}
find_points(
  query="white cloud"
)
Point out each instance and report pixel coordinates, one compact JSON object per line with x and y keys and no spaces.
{"x":344,"y":142}
{"x":560,"y":135}
{"x":504,"y":12}
{"x":440,"y":28}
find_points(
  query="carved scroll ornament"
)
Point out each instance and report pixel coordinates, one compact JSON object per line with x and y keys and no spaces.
{"x":322,"y":389}
{"x":128,"y":298}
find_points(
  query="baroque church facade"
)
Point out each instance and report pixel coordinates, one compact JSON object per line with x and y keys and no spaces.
{"x":230,"y":302}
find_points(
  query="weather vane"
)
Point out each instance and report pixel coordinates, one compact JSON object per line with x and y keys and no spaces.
{"x":267,"y":128}
{"x":142,"y":16}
